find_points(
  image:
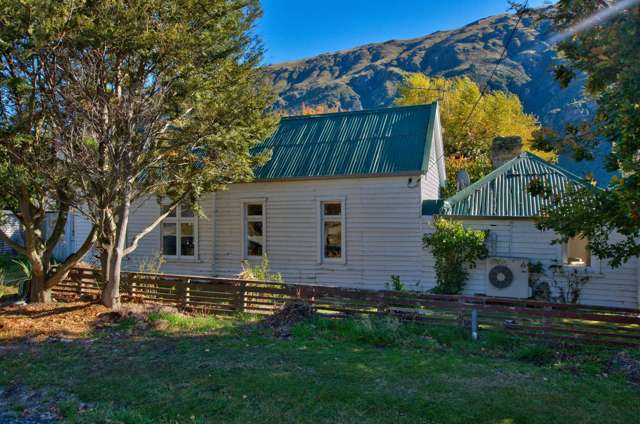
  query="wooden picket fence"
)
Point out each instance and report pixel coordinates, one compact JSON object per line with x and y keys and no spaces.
{"x":550,"y":321}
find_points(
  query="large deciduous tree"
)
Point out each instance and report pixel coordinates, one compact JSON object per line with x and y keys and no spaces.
{"x":33,"y":180}
{"x":163,"y":99}
{"x":608,"y":52}
{"x":468,"y":135}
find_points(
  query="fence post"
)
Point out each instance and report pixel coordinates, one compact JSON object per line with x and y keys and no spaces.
{"x":460,"y":318}
{"x":181,"y":291}
{"x":474,"y":324}
{"x":546,"y":322}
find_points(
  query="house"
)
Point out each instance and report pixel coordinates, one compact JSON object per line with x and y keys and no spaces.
{"x":338,"y":203}
{"x":345,"y":201}
{"x":75,"y":232}
{"x":501,"y":203}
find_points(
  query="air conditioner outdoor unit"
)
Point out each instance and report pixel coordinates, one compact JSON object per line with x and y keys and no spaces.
{"x":507,"y":277}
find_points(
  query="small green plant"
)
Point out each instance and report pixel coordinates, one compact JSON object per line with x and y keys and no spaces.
{"x":396,"y":284}
{"x":568,"y":284}
{"x":456,"y":250}
{"x":151,"y":264}
{"x":260,"y":272}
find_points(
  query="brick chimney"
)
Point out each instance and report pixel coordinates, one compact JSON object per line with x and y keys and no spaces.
{"x":503,"y":149}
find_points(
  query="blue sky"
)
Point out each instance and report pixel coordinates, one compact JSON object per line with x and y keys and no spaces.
{"x":295,"y":29}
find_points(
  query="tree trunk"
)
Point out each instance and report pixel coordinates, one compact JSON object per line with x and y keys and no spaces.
{"x":111,"y":293}
{"x":38,"y":292}
{"x":111,"y":290}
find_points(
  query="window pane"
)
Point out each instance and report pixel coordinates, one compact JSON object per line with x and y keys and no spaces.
{"x":254,"y":209}
{"x":187,"y":241}
{"x":186,"y":212}
{"x":332,"y":240}
{"x":332,"y":209}
{"x":578,"y":252}
{"x":254,"y":238}
{"x":254,"y":229}
{"x":169,"y":239}
{"x":164,"y":208}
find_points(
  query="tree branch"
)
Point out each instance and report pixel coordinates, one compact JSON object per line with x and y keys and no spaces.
{"x":71,"y":261}
{"x":58,"y":229}
{"x":154,"y":224}
{"x":15,"y":246}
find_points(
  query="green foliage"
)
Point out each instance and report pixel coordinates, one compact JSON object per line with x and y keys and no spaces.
{"x":396,"y":283}
{"x":455,"y":249}
{"x":152,"y":264}
{"x":467,"y":143}
{"x":260,"y":272}
{"x":609,"y":55}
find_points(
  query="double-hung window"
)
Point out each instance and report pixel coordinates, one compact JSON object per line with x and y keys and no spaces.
{"x":331,"y":234}
{"x":179,"y":233}
{"x":254,"y":229}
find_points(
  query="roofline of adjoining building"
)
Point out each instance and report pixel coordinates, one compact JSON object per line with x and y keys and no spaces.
{"x":361,"y":112}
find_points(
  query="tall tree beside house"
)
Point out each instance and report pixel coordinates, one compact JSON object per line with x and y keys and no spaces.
{"x":33,"y":180}
{"x":467,"y":135}
{"x":608,"y":51}
{"x":164,"y":96}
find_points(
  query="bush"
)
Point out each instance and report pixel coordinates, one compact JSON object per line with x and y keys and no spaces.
{"x":260,"y":272}
{"x":456,"y":250}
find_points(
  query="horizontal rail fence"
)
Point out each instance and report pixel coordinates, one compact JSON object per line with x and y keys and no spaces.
{"x":551,"y":321}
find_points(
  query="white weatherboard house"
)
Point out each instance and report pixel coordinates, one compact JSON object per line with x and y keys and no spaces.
{"x":345,"y":200}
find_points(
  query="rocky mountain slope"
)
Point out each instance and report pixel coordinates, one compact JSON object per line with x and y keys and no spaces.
{"x":368,"y":76}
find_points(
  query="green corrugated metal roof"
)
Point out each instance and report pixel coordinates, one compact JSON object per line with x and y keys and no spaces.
{"x":392,"y":140}
{"x":503,"y":192}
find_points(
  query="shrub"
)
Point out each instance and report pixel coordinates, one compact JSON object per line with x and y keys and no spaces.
{"x":396,"y":284}
{"x":456,"y":250}
{"x":260,"y":272}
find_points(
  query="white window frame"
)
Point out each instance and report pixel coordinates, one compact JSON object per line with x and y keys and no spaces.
{"x":321,"y":219}
{"x":593,"y":267}
{"x":246,"y":219}
{"x":179,"y":220}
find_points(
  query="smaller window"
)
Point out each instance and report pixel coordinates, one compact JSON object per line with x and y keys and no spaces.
{"x":332,"y":231}
{"x":577,"y":252}
{"x":254,"y":230}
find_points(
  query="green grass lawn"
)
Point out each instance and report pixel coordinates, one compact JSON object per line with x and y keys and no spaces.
{"x":375,"y":371}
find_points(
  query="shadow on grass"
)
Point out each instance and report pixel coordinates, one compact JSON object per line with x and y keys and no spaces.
{"x":206,"y":368}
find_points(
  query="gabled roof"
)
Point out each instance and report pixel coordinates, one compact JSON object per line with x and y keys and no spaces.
{"x":388,"y":141}
{"x":503,"y":193}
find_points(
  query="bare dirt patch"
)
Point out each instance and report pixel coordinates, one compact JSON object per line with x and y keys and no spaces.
{"x":39,"y":322}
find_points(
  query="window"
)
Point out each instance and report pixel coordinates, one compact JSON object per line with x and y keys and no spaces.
{"x":179,"y":233}
{"x":332,"y":231}
{"x":254,"y":229}
{"x":577,"y":252}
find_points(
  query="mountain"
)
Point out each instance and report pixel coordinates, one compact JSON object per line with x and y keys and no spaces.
{"x":368,"y":76}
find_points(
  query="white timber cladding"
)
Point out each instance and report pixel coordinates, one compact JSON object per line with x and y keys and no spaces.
{"x":520,"y":238}
{"x":430,"y":181}
{"x":381,"y":230}
{"x":145,"y":212}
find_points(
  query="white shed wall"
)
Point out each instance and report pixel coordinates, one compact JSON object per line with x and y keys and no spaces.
{"x":608,"y":286}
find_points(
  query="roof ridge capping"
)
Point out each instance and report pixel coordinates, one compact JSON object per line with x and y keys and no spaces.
{"x":360,"y":112}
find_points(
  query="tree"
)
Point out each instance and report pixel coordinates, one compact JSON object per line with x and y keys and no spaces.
{"x":608,"y":51}
{"x":32,"y":178}
{"x":164,"y":99}
{"x":468,"y":136}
